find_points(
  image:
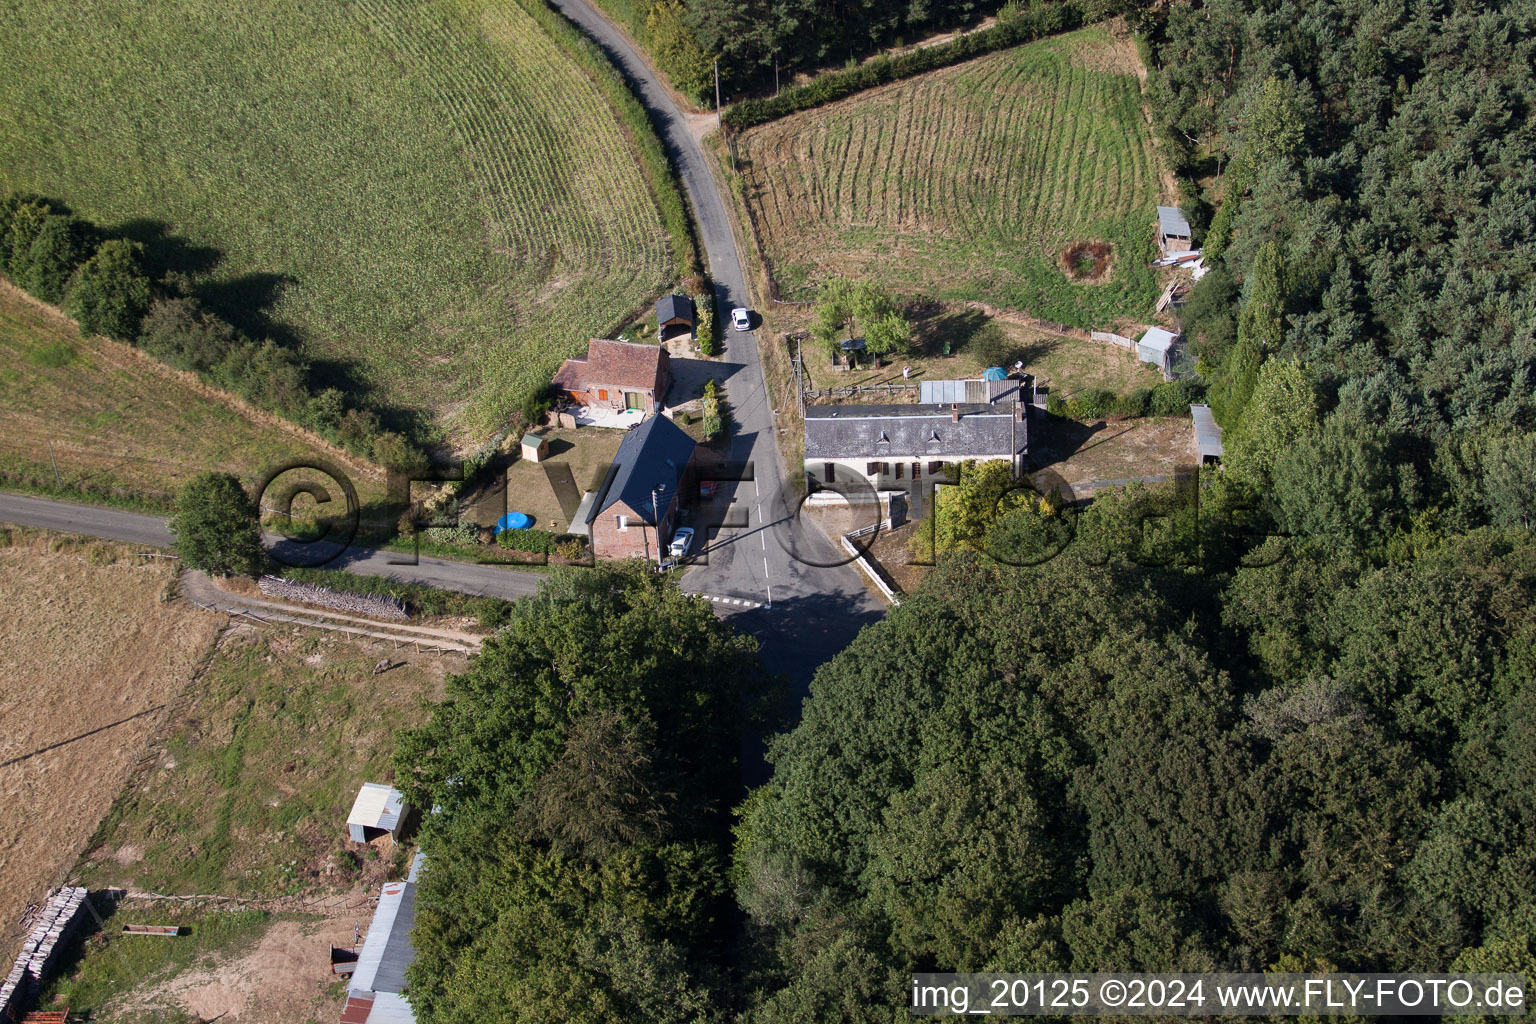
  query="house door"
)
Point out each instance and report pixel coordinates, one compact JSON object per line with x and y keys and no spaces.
{"x":634,"y":400}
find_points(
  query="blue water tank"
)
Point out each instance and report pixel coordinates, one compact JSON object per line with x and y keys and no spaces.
{"x":513,"y":521}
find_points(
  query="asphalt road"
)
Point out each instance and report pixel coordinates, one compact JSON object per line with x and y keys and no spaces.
{"x":134,"y":528}
{"x":814,"y":604}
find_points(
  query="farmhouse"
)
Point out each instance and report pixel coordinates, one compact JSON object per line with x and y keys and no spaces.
{"x":639,"y":498}
{"x":904,"y":449}
{"x":376,"y":993}
{"x":674,"y":314}
{"x":379,"y":810}
{"x":616,"y":375}
{"x":1173,"y":232}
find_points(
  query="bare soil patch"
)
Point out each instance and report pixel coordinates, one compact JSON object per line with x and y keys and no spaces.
{"x":91,"y":656}
{"x":286,"y":978}
{"x":1086,"y":261}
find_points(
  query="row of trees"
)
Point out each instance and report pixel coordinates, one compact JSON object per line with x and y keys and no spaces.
{"x":102,"y":282}
{"x":864,"y":309}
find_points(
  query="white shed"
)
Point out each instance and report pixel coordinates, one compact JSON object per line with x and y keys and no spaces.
{"x":1154,"y":346}
{"x":378,"y":809}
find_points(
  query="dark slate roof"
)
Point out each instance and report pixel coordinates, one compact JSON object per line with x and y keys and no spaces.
{"x":1172,"y":221}
{"x":653,"y":455}
{"x":673,"y":307}
{"x":913,"y":431}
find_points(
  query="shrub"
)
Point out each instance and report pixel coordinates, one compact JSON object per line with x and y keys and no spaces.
{"x":181,"y":333}
{"x":1174,"y":397}
{"x":530,"y":540}
{"x":992,"y":345}
{"x":462,"y":536}
{"x":109,"y":294}
{"x":392,"y":451}
{"x":492,"y":612}
{"x":704,"y":329}
{"x":55,"y":253}
{"x":216,"y":526}
{"x":1133,"y":405}
{"x":684,"y":418}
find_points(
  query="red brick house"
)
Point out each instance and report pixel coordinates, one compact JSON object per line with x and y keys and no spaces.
{"x":639,"y":498}
{"x":616,"y":375}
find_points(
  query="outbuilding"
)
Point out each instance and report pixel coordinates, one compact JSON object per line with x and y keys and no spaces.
{"x":535,"y":447}
{"x":675,"y":313}
{"x":376,"y":992}
{"x":1155,"y":347}
{"x":379,"y":810}
{"x":1173,"y":231}
{"x":1207,"y":434}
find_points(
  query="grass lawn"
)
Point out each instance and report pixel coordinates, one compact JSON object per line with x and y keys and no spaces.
{"x":971,"y":182}
{"x":250,"y":793}
{"x":120,"y":422}
{"x":435,"y":201}
{"x":531,"y":487}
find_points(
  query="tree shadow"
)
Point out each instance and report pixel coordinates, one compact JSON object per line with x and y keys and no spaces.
{"x":165,"y":253}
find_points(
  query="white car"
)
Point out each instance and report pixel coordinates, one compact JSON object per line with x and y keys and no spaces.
{"x":682,"y":539}
{"x":741,"y":319}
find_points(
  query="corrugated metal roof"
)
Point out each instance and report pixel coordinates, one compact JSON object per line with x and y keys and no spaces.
{"x":1171,"y":220}
{"x":901,"y":432}
{"x":389,"y":1008}
{"x":973,"y":390}
{"x":387,"y":950}
{"x":1207,"y":432}
{"x":932,"y":392}
{"x":1158,"y":339}
{"x":377,"y":806}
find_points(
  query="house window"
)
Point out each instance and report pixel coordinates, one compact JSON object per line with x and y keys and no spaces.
{"x":602,"y":394}
{"x":900,"y":467}
{"x":829,"y":472}
{"x":917,"y":471}
{"x":935,"y":468}
{"x":623,"y":522}
{"x":872,"y":469}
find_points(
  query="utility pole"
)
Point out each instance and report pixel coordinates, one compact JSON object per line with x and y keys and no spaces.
{"x":55,"y":462}
{"x":656,"y":516}
{"x":720,"y":122}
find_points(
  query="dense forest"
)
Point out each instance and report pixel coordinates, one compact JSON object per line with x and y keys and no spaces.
{"x":1279,"y":718}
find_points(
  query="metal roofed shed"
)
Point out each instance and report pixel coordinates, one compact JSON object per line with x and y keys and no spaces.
{"x":1207,"y":434}
{"x":376,"y":992}
{"x":1153,"y":347}
{"x":969,"y":392}
{"x":378,"y":810}
{"x":1173,"y":231}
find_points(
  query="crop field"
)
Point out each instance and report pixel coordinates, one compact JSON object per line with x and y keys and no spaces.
{"x":112,"y":420}
{"x":91,"y":656}
{"x":434,"y":200}
{"x":970,"y":183}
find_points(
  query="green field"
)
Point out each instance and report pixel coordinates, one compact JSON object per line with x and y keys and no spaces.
{"x":969,"y":183}
{"x":435,"y":200}
{"x":115,"y":425}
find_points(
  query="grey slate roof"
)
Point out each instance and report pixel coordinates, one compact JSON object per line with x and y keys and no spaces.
{"x":900,"y":432}
{"x":1171,"y":220}
{"x":672,"y":307}
{"x":654,"y":454}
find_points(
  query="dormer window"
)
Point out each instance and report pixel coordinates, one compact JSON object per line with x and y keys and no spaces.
{"x":882,"y":439}
{"x":933,"y":438}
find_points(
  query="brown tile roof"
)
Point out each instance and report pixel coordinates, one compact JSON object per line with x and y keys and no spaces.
{"x":572,"y":375}
{"x":622,"y":363}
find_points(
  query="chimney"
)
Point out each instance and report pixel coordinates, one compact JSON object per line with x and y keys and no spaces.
{"x":954,"y":412}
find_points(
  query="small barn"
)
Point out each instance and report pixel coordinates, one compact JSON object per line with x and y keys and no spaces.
{"x":379,"y":810}
{"x":1173,"y":231}
{"x":1155,"y":347}
{"x":675,"y":314}
{"x":535,"y":447}
{"x":1207,"y":434}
